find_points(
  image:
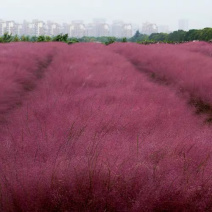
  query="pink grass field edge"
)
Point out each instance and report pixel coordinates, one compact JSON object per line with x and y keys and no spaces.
{"x":95,"y":134}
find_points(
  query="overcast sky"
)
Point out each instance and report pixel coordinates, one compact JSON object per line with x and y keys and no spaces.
{"x":161,"y":12}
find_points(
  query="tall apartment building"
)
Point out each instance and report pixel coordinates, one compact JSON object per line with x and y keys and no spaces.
{"x":127,"y":31}
{"x":3,"y":27}
{"x":120,"y":29}
{"x":77,"y":29}
{"x":149,"y":28}
{"x":28,"y":28}
{"x":90,"y":30}
{"x":65,"y":29}
{"x":39,"y":27}
{"x":116,"y":29}
{"x":19,"y":29}
{"x":53,"y":29}
{"x":101,"y":28}
{"x":183,"y":24}
{"x":11,"y":27}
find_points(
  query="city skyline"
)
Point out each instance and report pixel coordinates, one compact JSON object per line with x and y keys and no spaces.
{"x":79,"y":28}
{"x":159,"y":12}
{"x":75,"y":28}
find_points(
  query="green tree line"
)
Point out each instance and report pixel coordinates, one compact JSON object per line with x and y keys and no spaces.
{"x":176,"y":36}
{"x":6,"y":38}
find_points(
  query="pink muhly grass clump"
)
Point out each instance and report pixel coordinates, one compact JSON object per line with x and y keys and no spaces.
{"x":97,"y":135}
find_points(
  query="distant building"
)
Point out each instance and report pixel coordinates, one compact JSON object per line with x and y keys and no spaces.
{"x":28,"y":28}
{"x":11,"y":27}
{"x":183,"y":24}
{"x":39,"y":27}
{"x":65,"y":28}
{"x":53,"y":29}
{"x":101,"y":28}
{"x":163,"y":28}
{"x":19,"y":29}
{"x":77,"y":29}
{"x":3,"y":27}
{"x":90,"y":30}
{"x":127,"y":31}
{"x":149,"y":28}
{"x":120,"y":29}
{"x":117,"y":29}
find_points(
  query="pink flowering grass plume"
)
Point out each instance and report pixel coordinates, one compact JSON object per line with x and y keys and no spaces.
{"x":95,"y":134}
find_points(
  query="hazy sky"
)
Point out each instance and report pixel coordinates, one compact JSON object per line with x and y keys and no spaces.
{"x":161,"y":12}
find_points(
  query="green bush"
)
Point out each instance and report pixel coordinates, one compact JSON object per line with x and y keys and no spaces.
{"x":48,"y":38}
{"x":25,"y":38}
{"x":61,"y":37}
{"x":41,"y":38}
{"x":73,"y":40}
{"x":110,"y":40}
{"x":33,"y":39}
{"x":6,"y":38}
{"x":124,"y":40}
{"x":16,"y":38}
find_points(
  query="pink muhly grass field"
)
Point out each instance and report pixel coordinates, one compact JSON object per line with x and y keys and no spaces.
{"x":96,"y":134}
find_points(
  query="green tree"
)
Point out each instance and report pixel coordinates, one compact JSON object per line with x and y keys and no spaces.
{"x":159,"y":37}
{"x":34,"y":39}
{"x":73,"y":40}
{"x":25,"y":38}
{"x":41,"y":38}
{"x":137,"y":34}
{"x":138,"y":37}
{"x":206,"y":34}
{"x":192,"y":34}
{"x":61,"y":37}
{"x":7,"y":37}
{"x":177,"y":36}
{"x":48,"y":38}
{"x":110,"y":40}
{"x":124,"y":40}
{"x":16,"y":38}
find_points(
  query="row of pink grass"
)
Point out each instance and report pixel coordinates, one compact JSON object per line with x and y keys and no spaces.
{"x":19,"y":72}
{"x":189,"y":65}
